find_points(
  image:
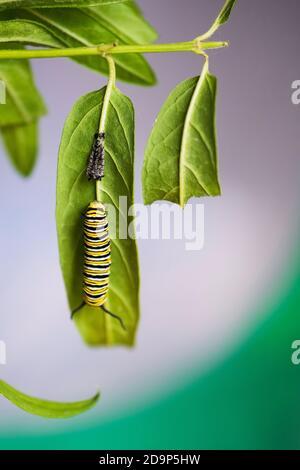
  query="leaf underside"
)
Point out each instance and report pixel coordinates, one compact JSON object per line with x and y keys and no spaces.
{"x":75,"y":192}
{"x":45,"y":408}
{"x":181,"y":154}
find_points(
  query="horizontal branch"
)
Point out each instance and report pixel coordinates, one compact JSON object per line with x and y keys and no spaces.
{"x":195,"y":46}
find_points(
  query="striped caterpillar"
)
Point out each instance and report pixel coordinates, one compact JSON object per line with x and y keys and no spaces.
{"x":97,"y":257}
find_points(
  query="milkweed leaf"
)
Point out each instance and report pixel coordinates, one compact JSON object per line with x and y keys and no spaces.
{"x":21,"y":143}
{"x":24,"y":103}
{"x":20,"y":113}
{"x":75,"y":192}
{"x":45,"y":408}
{"x":26,"y":32}
{"x":77,"y":27}
{"x":126,"y":22}
{"x":54,"y":3}
{"x":181,"y":154}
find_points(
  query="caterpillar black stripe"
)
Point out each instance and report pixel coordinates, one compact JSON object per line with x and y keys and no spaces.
{"x":95,"y":168}
{"x":97,"y":259}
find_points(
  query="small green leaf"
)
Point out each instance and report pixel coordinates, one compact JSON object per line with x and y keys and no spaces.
{"x":181,"y":154}
{"x":54,"y":3}
{"x":24,"y":103}
{"x":75,"y":192}
{"x":44,"y":408}
{"x":225,"y":13}
{"x":21,"y":143}
{"x":76,"y":27}
{"x":221,"y":19}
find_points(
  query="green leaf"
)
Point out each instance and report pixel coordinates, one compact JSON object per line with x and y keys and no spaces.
{"x":20,"y":114}
{"x":44,"y":408}
{"x":21,"y":143}
{"x":89,"y":26}
{"x":125,"y":22}
{"x":26,"y":32}
{"x":75,"y":192}
{"x":54,"y":3}
{"x":24,"y":103}
{"x":76,"y":27}
{"x":181,"y":154}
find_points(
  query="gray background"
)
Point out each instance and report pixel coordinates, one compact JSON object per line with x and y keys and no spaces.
{"x":249,"y":231}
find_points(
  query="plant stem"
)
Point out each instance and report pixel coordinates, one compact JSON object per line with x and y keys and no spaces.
{"x":195,"y":46}
{"x":109,"y":88}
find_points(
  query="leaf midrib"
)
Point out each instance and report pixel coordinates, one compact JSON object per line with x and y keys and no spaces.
{"x":185,"y":136}
{"x":108,"y":26}
{"x":58,"y":26}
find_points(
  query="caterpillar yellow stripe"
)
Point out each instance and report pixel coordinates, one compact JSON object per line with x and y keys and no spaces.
{"x":97,"y":255}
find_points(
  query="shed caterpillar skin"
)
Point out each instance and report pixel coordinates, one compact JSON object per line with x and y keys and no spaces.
{"x":95,"y":168}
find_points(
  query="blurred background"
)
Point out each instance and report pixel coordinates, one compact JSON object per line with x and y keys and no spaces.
{"x":212,"y":365}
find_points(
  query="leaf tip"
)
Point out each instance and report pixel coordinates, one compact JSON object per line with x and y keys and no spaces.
{"x":26,"y":172}
{"x":151,"y":80}
{"x":226,"y":11}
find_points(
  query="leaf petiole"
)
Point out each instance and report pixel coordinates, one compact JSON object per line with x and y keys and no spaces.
{"x":110,"y":86}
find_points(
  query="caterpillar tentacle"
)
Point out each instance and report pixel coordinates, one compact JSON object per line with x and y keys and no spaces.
{"x":77,"y":309}
{"x":114,"y":316}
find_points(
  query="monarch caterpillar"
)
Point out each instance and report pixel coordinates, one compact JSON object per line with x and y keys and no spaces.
{"x":97,"y":259}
